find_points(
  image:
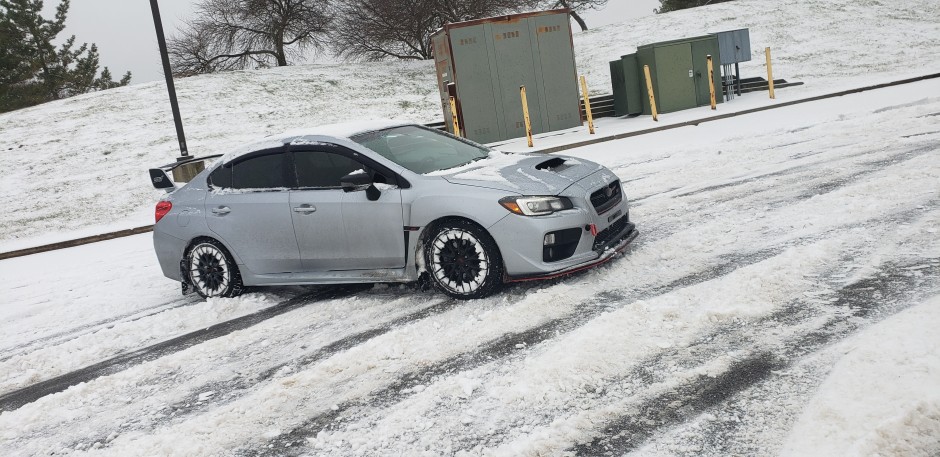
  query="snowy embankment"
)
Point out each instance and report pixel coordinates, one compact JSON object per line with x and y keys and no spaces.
{"x":78,"y":167}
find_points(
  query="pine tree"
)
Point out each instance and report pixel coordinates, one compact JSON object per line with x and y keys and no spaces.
{"x":32,"y":70}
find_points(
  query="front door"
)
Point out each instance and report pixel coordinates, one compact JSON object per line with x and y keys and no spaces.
{"x":338,"y":230}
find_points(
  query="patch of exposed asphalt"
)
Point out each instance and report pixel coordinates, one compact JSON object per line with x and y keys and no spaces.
{"x":13,"y":400}
{"x":891,"y":290}
{"x":75,"y":332}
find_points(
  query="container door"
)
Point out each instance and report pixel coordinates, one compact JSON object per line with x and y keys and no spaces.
{"x":676,"y":78}
{"x":516,"y":67}
{"x":474,"y":84}
{"x":559,"y":92}
{"x":700,"y":52}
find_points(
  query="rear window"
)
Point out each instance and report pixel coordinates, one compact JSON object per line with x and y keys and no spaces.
{"x":262,"y":172}
{"x":221,"y":177}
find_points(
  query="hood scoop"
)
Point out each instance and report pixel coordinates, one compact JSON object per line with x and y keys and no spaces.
{"x":553,"y":164}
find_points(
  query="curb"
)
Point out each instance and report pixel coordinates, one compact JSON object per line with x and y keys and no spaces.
{"x":76,"y":242}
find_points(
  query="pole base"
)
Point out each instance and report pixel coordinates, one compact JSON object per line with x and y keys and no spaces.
{"x":186,"y":172}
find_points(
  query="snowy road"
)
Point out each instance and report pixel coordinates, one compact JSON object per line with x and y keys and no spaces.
{"x":773,"y":246}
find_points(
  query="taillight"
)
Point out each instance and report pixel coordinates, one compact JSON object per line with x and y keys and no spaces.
{"x":162,"y":208}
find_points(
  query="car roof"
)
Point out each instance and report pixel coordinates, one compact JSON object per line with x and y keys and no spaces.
{"x":312,"y":135}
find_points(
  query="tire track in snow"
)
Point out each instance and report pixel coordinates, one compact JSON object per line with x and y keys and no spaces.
{"x":686,"y":402}
{"x":756,"y":367}
{"x":318,"y":355}
{"x":816,"y":170}
{"x":81,"y":330}
{"x":500,"y":348}
{"x":13,"y":400}
{"x":229,"y":390}
{"x":514,"y":342}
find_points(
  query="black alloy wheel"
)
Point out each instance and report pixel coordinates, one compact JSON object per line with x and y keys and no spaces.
{"x":463,"y":260}
{"x":212,"y":271}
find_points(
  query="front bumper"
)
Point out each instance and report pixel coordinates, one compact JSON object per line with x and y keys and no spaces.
{"x":606,"y":251}
{"x":599,"y":237}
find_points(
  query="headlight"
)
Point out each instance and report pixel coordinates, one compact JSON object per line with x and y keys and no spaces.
{"x":535,"y":206}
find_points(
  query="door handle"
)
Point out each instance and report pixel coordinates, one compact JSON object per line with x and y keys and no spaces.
{"x":305,"y":209}
{"x":221,"y":211}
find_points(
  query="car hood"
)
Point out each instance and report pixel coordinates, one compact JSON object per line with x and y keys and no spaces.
{"x":526,"y":174}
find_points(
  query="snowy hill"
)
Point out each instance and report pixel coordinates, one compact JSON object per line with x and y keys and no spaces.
{"x":78,"y":166}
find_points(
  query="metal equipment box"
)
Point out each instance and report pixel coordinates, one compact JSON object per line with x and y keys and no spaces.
{"x":734,"y":46}
{"x":627,"y":86}
{"x":679,"y":72}
{"x":482,"y":63}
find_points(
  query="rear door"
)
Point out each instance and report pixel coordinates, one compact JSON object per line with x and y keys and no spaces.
{"x":249,"y":211}
{"x":338,"y":230}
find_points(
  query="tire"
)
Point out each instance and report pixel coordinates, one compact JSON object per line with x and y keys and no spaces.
{"x":463,"y":261}
{"x":212,"y":271}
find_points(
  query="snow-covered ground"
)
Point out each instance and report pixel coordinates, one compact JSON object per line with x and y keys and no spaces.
{"x":783,"y":297}
{"x":78,"y":166}
{"x":780,"y":300}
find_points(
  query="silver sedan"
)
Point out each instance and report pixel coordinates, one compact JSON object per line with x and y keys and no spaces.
{"x":386,"y":202}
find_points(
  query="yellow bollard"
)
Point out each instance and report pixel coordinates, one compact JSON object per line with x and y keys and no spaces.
{"x":649,"y":88}
{"x":453,"y":115}
{"x":587,"y":105}
{"x":711,"y":80}
{"x":770,"y":73}
{"x":525,"y":115}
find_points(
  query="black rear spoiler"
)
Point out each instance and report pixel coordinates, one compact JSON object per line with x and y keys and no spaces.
{"x":160,"y":179}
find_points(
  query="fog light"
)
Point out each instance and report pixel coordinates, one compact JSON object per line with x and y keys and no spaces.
{"x":549,"y":239}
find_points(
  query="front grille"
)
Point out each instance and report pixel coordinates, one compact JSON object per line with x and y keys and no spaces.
{"x":606,"y":236}
{"x":606,"y":197}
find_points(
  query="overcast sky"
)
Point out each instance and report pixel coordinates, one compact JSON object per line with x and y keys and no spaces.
{"x":124,"y":32}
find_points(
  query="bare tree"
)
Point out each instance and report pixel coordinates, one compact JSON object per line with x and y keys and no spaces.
{"x":576,"y":6}
{"x":238,"y":34}
{"x":374,"y":29}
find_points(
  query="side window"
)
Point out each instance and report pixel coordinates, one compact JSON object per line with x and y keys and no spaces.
{"x":221,"y":177}
{"x":262,"y":172}
{"x":323,"y":169}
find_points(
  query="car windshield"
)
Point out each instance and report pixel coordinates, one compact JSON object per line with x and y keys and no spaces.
{"x":421,"y":150}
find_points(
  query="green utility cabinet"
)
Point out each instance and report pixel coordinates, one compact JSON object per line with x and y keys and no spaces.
{"x":482,"y":63}
{"x":679,"y":72}
{"x":627,"y":85}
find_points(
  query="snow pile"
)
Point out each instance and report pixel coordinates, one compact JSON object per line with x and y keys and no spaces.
{"x":78,"y":166}
{"x":874,"y":401}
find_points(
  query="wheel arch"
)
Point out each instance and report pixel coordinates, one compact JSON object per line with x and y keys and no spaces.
{"x":184,"y":272}
{"x":431,"y":226}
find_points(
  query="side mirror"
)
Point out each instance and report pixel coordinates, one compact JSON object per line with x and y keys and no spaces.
{"x":357,"y":181}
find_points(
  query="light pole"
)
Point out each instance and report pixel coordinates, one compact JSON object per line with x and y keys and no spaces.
{"x":185,"y":172}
